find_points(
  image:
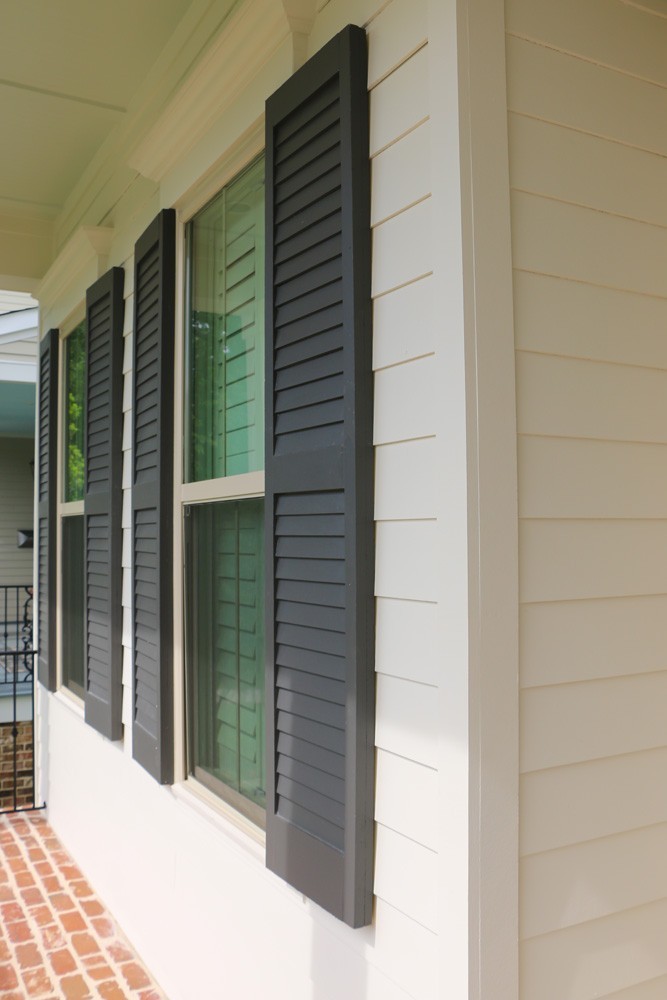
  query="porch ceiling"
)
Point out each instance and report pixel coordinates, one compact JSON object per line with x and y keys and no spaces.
{"x":69,"y":71}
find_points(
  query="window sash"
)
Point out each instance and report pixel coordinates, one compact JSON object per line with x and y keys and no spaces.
{"x":222,"y":451}
{"x":224,"y":562}
{"x":74,"y":414}
{"x":224,"y":350}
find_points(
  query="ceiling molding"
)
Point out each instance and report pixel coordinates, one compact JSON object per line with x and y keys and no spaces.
{"x":300,"y":15}
{"x":251,"y":35}
{"x":90,"y":245}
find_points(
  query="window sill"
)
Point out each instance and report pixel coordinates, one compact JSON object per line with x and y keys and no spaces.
{"x":219,"y":814}
{"x":68,"y":698}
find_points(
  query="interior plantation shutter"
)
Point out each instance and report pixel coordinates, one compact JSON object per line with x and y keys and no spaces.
{"x":103,"y":504}
{"x":46,"y":509}
{"x":319,"y":482}
{"x":152,"y":505}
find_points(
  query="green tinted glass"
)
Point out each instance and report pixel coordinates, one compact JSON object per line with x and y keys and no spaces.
{"x":75,"y":371}
{"x":72,"y":603}
{"x":225,"y":332}
{"x":225,"y":571}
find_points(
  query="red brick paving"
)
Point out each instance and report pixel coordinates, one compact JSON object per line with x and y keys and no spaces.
{"x":57,"y":941}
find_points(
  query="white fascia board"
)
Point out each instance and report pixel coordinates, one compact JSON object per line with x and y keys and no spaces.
{"x":17,"y":371}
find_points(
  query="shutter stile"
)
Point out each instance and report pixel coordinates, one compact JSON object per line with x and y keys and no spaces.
{"x":319,"y":473}
{"x":47,"y":509}
{"x":152,"y":505}
{"x":103,"y":499}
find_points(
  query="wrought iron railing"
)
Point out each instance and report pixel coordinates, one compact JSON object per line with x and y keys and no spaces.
{"x":17,"y":699}
{"x":16,"y":634}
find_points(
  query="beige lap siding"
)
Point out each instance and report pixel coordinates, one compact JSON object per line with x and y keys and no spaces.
{"x":587,"y":97}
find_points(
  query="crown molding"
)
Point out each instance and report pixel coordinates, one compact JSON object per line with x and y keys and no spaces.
{"x":89,"y":246}
{"x":251,"y":35}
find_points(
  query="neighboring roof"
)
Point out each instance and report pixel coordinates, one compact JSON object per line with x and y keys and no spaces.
{"x":16,"y":301}
{"x":19,"y":334}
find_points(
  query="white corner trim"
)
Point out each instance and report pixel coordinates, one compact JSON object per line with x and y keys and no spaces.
{"x":88,"y":245}
{"x":492,"y":503}
{"x":250,"y":37}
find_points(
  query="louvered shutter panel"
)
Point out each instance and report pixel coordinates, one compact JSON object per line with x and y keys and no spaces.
{"x":152,"y":484}
{"x":103,"y":504}
{"x":319,"y":476}
{"x":46,"y":509}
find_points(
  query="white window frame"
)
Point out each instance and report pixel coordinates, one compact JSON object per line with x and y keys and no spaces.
{"x":64,"y":509}
{"x":244,"y":486}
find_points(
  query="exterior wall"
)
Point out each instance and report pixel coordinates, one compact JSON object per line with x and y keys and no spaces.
{"x":181,"y":874}
{"x":16,"y":508}
{"x":588,"y":166}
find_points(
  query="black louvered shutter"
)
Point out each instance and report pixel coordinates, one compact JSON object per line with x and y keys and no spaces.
{"x":46,"y":509}
{"x":103,"y":504}
{"x":319,"y":483}
{"x":152,"y":505}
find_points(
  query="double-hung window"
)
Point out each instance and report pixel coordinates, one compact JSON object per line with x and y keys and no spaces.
{"x":71,"y":511}
{"x":223,"y":492}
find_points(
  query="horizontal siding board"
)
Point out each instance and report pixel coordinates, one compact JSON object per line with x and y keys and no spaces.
{"x":566,"y":723}
{"x":632,"y":41}
{"x":598,"y":798}
{"x":569,"y":477}
{"x":408,"y":952}
{"x":407,"y":720}
{"x":398,"y":30}
{"x":404,"y":640}
{"x":406,"y":799}
{"x":400,"y":102}
{"x":567,"y":560}
{"x":588,"y":881}
{"x":406,"y":560}
{"x":597,"y":957}
{"x":392,"y":266}
{"x":546,"y":84}
{"x":406,"y":876}
{"x":411,"y":307}
{"x":405,"y":480}
{"x":584,"y":640}
{"x":600,"y":174}
{"x":587,"y":245}
{"x":604,"y":401}
{"x":652,"y":989}
{"x":405,"y":402}
{"x":401,"y":175}
{"x":558,"y":316}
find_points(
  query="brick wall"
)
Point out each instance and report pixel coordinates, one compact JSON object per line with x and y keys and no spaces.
{"x":24,"y":764}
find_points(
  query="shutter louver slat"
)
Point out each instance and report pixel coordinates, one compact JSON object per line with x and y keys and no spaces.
{"x":152,"y":436}
{"x":319,"y":461}
{"x":103,"y":464}
{"x":46,"y":510}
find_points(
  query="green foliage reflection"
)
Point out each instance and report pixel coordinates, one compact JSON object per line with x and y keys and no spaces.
{"x":75,"y":371}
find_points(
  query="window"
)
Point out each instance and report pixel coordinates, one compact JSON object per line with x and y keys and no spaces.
{"x":224,"y":459}
{"x":71,"y":511}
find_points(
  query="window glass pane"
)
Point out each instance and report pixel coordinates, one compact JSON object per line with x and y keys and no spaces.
{"x":75,"y":369}
{"x":225,"y":332}
{"x":72,"y":603}
{"x":226,"y":644}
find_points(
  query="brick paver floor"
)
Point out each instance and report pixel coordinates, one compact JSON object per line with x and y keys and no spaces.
{"x":57,"y":941}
